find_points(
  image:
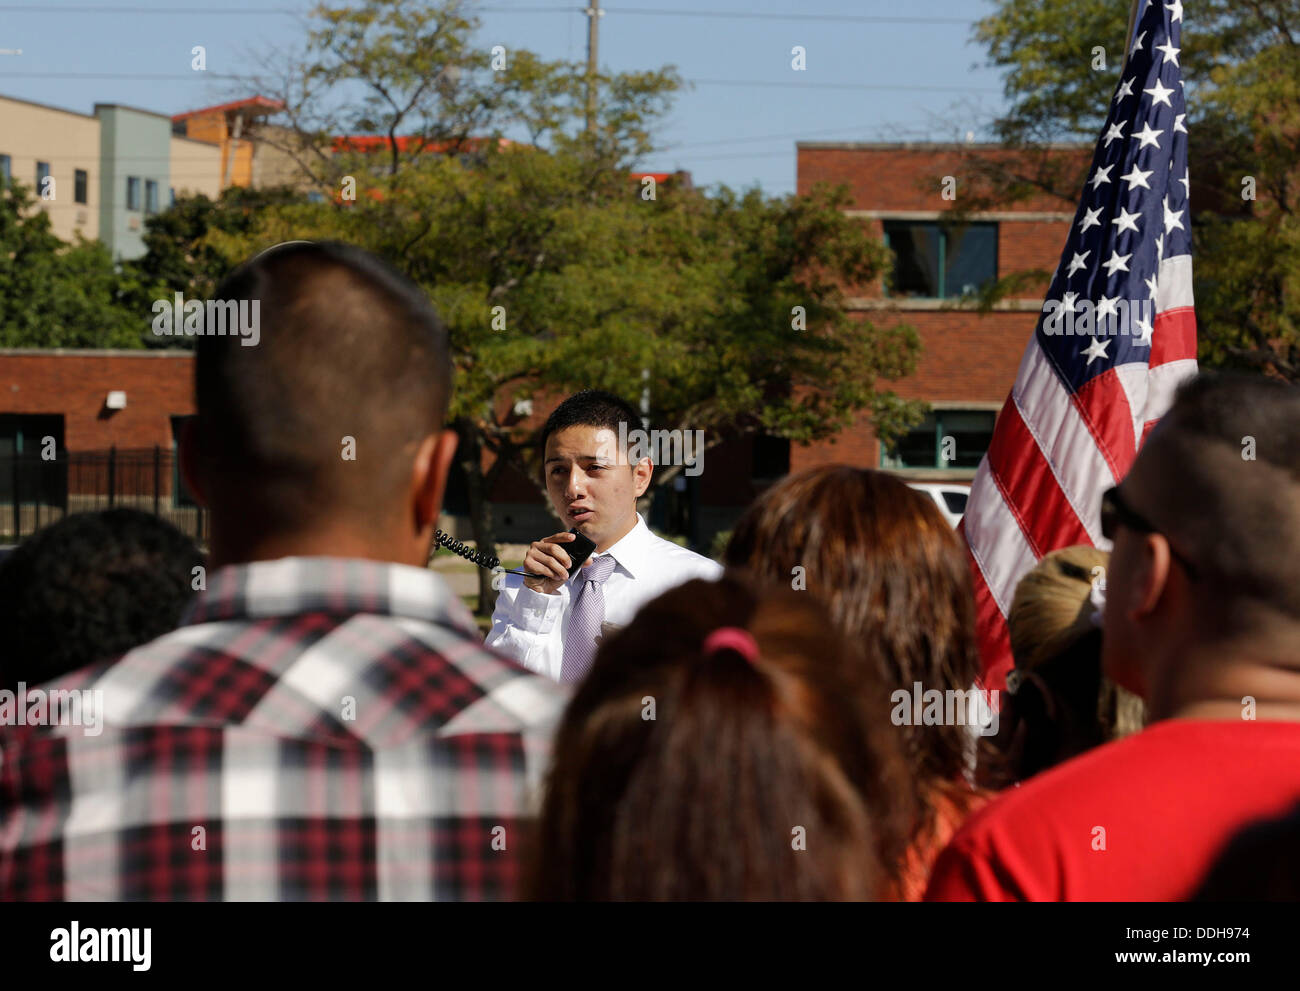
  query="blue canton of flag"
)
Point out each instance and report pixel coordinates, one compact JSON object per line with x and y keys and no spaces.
{"x":1133,"y":214}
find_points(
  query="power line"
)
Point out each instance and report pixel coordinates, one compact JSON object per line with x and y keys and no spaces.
{"x":204,"y":76}
{"x":862,"y":86}
{"x":793,"y":16}
{"x":25,"y":8}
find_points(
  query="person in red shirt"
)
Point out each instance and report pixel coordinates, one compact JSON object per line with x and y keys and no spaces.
{"x":1202,"y":620}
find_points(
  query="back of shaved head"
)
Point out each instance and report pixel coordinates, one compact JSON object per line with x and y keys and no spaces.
{"x":1223,"y":468}
{"x":350,"y":355}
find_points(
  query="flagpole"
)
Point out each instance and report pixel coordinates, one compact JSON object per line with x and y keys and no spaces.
{"x":1128,"y":35}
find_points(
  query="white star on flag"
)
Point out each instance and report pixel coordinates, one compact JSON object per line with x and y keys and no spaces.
{"x":1171,"y":53}
{"x":1137,"y":178}
{"x":1078,"y":262}
{"x":1126,"y":221}
{"x":1143,"y":339}
{"x":1159,"y":94}
{"x":1177,"y":8}
{"x":1095,"y":350}
{"x":1116,"y":263}
{"x":1101,"y":175}
{"x":1106,"y":307}
{"x":1090,"y":218}
{"x":1148,"y":136}
{"x":1116,"y":130}
{"x":1172,"y":220}
{"x":1137,"y":45}
{"x":1125,"y":89}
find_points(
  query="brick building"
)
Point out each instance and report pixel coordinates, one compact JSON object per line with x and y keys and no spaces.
{"x":968,"y":360}
{"x":967,"y":364}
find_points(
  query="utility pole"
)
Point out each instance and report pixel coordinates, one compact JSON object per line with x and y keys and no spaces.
{"x":594,"y":14}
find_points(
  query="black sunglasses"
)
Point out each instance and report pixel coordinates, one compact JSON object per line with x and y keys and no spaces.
{"x":1116,"y":512}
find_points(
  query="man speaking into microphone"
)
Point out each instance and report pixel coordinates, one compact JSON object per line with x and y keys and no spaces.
{"x":550,"y":624}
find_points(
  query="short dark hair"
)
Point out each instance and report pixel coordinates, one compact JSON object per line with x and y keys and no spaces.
{"x":1225,"y":487}
{"x":589,"y":408}
{"x":349,"y":347}
{"x":89,"y":588}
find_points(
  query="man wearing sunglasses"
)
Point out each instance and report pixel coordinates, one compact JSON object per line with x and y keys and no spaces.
{"x":1202,"y":619}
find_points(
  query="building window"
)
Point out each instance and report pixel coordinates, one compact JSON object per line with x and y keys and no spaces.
{"x":150,"y":196}
{"x":182,"y":497}
{"x":80,"y":180}
{"x":6,"y":166}
{"x":946,"y":438}
{"x":132,"y":193}
{"x":172,"y":200}
{"x":42,"y":173}
{"x":936,"y":261}
{"x":771,"y":458}
{"x":25,"y":474}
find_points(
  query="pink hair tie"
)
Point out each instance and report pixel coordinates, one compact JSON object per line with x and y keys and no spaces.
{"x":733,"y":637}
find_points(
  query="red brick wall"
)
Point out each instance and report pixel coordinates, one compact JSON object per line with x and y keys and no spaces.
{"x":897,"y":177}
{"x":965,"y":357}
{"x":157,"y":384}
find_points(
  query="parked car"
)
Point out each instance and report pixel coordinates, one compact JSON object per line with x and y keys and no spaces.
{"x":948,"y":496}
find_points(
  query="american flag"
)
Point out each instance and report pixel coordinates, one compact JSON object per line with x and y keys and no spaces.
{"x":1082,"y":405}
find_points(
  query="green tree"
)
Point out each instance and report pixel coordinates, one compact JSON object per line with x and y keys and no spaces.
{"x":181,"y":257}
{"x":54,"y":294}
{"x":1242,"y":80}
{"x":553,"y":268}
{"x":554,"y":276}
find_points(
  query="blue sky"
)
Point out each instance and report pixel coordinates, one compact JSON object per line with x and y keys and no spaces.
{"x":77,"y":54}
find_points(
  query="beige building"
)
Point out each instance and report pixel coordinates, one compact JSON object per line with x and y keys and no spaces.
{"x":102,"y":174}
{"x":56,"y":153}
{"x":195,"y":167}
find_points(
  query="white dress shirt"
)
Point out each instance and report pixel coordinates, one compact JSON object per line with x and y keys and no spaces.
{"x":530,"y":626}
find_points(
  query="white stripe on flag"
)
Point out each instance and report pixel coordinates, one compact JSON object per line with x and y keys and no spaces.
{"x":1162,"y":382}
{"x":1134,"y":378}
{"x":1174,"y":283}
{"x":1071,"y":451}
{"x":995,"y":539}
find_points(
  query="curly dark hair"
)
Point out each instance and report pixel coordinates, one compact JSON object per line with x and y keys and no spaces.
{"x":89,"y":588}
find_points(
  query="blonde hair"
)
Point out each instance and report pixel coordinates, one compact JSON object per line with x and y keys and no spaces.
{"x":1052,"y":610}
{"x":1052,"y":607}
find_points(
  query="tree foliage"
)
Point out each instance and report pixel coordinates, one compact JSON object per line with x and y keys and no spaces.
{"x":1241,"y":70}
{"x":54,"y":294}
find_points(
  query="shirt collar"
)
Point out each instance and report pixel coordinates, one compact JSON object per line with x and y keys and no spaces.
{"x":632,"y":551}
{"x":293,"y":585}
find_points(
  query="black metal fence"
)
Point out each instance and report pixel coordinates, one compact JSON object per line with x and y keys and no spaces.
{"x":35,"y":492}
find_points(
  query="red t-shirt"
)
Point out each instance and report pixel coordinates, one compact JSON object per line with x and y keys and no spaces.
{"x":1141,"y":819}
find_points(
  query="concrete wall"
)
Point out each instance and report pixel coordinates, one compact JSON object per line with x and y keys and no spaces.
{"x":195,"y":168}
{"x":31,"y":132}
{"x":133,"y":143}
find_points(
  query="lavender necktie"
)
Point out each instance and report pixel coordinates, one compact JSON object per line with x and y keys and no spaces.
{"x":584,"y":622}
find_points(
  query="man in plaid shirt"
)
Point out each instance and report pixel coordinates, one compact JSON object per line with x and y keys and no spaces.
{"x":325,"y":723}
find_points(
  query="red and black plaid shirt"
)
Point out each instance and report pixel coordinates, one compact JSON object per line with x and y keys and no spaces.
{"x":317,"y":728}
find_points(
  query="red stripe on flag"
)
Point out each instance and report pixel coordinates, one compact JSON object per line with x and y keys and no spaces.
{"x":1174,"y":336}
{"x":1029,"y":488}
{"x":994,"y":638}
{"x":1104,"y":407}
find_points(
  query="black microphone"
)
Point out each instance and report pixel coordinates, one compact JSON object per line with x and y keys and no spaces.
{"x":578,"y":549}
